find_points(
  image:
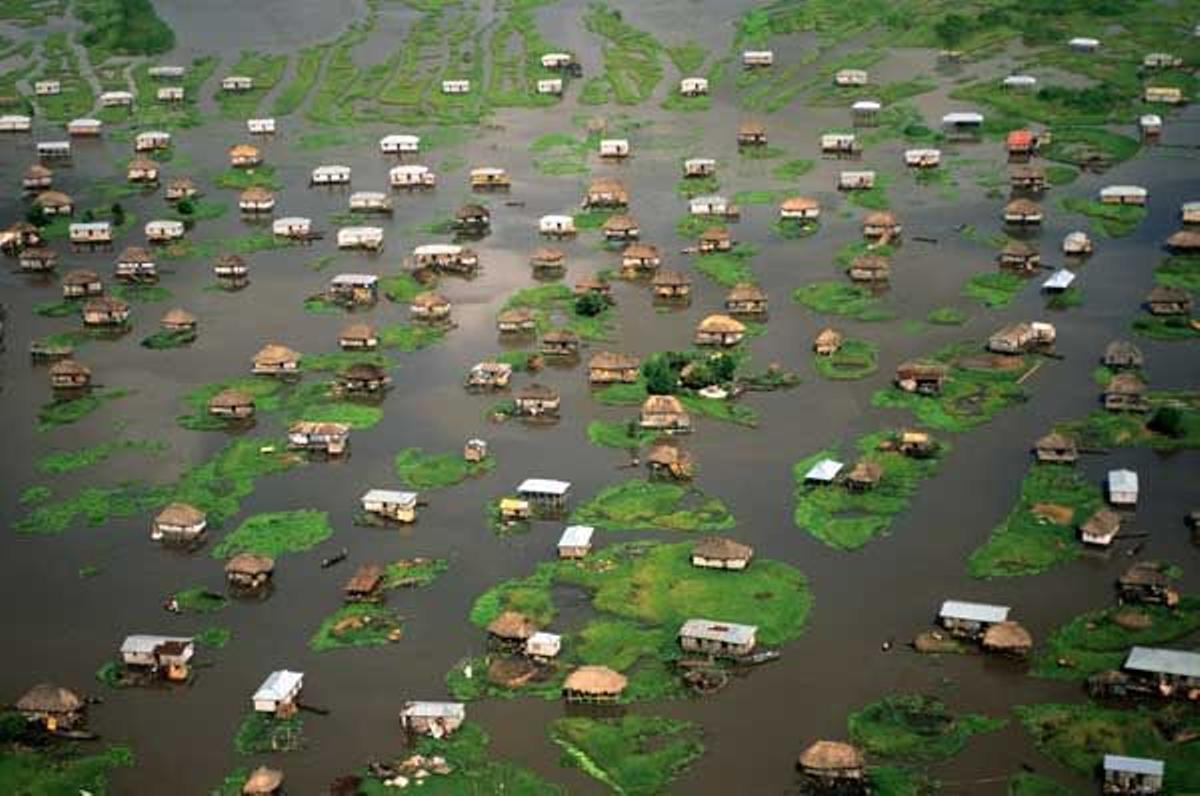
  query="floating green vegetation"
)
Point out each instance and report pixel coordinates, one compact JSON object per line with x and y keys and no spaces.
{"x":1061,"y":175}
{"x":643,"y":505}
{"x":623,"y":394}
{"x":59,"y":62}
{"x":855,"y":359}
{"x":265,"y":393}
{"x":515,"y":48}
{"x":1089,"y":147}
{"x":409,"y":337}
{"x":34,"y":495}
{"x":401,"y":288}
{"x":552,"y":303}
{"x":728,"y":268}
{"x":322,"y":305}
{"x":1078,"y":736}
{"x":56,"y":309}
{"x":1039,"y":532}
{"x":275,"y":533}
{"x":1026,"y":784}
{"x":915,"y":728}
{"x":308,"y":69}
{"x":57,"y":770}
{"x":61,"y":412}
{"x":215,"y":638}
{"x":718,"y":409}
{"x":420,"y":470}
{"x":690,"y":226}
{"x":122,"y":27}
{"x":264,"y":70}
{"x":261,"y":733}
{"x":624,"y":436}
{"x":166,"y":339}
{"x":761,"y":197}
{"x":472,"y":771}
{"x":875,"y":197}
{"x":590,"y":220}
{"x":316,"y":403}
{"x":359,"y":625}
{"x":199,"y":600}
{"x":996,"y":289}
{"x":218,"y":487}
{"x":163,"y":115}
{"x":795,"y":228}
{"x":642,"y":592}
{"x":1115,"y":221}
{"x":792,"y":169}
{"x":61,"y":462}
{"x":414,"y":572}
{"x":632,"y":59}
{"x":1065,"y":299}
{"x":1171,"y":328}
{"x":1057,"y":105}
{"x":760,"y":152}
{"x":689,"y":187}
{"x":1179,"y":271}
{"x":946,"y":316}
{"x":262,"y":176}
{"x":1173,"y":423}
{"x":975,"y":390}
{"x":1099,"y":640}
{"x":635,"y":755}
{"x":839,"y":298}
{"x":847,"y":520}
{"x":190,"y":211}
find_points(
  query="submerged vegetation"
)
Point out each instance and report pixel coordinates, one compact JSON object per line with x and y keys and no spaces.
{"x":1039,"y":532}
{"x":846,"y":519}
{"x":645,"y":505}
{"x":632,"y":754}
{"x":854,"y":359}
{"x":916,"y":729}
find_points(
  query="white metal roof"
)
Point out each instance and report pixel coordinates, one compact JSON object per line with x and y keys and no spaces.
{"x":576,"y":536}
{"x":164,"y":224}
{"x":84,"y":226}
{"x":15,"y":118}
{"x":867,"y":105}
{"x":963,"y":117}
{"x":1134,"y":765}
{"x":1124,"y":190}
{"x":847,"y":175}
{"x":142,"y":643}
{"x":1122,"y":481}
{"x":487,"y":170}
{"x":543,"y":486}
{"x":556,"y":219}
{"x":116,"y":95}
{"x":1150,"y":120}
{"x":331,"y":169}
{"x":712,"y":630}
{"x":389,"y":496}
{"x":973,"y":612}
{"x":279,"y":685}
{"x":85,"y":122}
{"x":1164,"y":661}
{"x":441,"y":710}
{"x":400,"y":139}
{"x":1020,"y":80}
{"x":544,"y":640}
{"x":1059,"y":280}
{"x":834,"y":138}
{"x":409,"y":168}
{"x":151,"y":134}
{"x":614,"y":142}
{"x":708,"y":200}
{"x":366,"y":196}
{"x":435,"y":249}
{"x":700,"y":162}
{"x":922,"y":153}
{"x":824,"y":470}
{"x":360,"y":232}
{"x":354,"y":279}
{"x":1084,"y":41}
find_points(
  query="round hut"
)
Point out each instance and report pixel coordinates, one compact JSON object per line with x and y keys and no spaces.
{"x":249,"y":571}
{"x":1008,"y":638}
{"x":833,"y":764}
{"x":51,"y":706}
{"x":594,"y":684}
{"x":263,"y":781}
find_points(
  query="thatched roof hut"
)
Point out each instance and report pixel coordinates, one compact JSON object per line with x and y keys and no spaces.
{"x":594,"y":684}
{"x":250,"y":564}
{"x":1008,"y":638}
{"x":832,"y":760}
{"x":263,"y":781}
{"x":1185,"y":240}
{"x":512,"y":626}
{"x":827,"y":342}
{"x":1123,"y":354}
{"x":178,"y":319}
{"x":48,"y":698}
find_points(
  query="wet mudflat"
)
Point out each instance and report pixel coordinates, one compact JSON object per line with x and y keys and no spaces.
{"x":62,"y":626}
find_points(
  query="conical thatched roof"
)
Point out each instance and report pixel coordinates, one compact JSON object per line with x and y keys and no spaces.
{"x":1055,"y":441}
{"x":880,"y":218}
{"x":1122,"y":351}
{"x":537,"y":392}
{"x":275,"y":354}
{"x":80,"y":276}
{"x":231,"y":398}
{"x":609,"y":360}
{"x":599,"y":680}
{"x":250,"y":564}
{"x":49,"y":698}
{"x":178,"y":317}
{"x":799,"y":204}
{"x":745,"y":291}
{"x":1185,"y":239}
{"x":430,"y":299}
{"x":512,"y":625}
{"x":662,"y":405}
{"x":620,"y":223}
{"x":256,"y":194}
{"x":721,"y":324}
{"x":831,"y":756}
{"x":669,"y":278}
{"x":180,"y":514}
{"x":1023,"y":207}
{"x":262,"y":781}
{"x":69,"y":367}
{"x":1007,"y":637}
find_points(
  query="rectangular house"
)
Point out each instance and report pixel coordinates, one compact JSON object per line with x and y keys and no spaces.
{"x":970,"y":620}
{"x":717,"y":638}
{"x":391,"y":504}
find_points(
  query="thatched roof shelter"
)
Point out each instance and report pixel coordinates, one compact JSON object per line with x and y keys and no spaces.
{"x":595,"y":681}
{"x":181,"y":514}
{"x":262,"y":781}
{"x":830,"y":758}
{"x":49,"y":698}
{"x":512,"y":626}
{"x":1009,"y":638}
{"x":722,"y":549}
{"x":250,"y":564}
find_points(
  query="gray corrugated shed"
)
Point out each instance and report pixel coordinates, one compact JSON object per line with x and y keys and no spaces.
{"x":143,"y":643}
{"x":1122,"y":481}
{"x":710,"y":630}
{"x":577,"y":536}
{"x":973,"y":612}
{"x":543,"y":486}
{"x":1059,"y":280}
{"x":1163,"y":661}
{"x":825,"y":470}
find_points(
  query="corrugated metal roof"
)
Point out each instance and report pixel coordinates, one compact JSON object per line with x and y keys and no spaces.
{"x":973,"y":612}
{"x":441,"y":710}
{"x":389,"y":496}
{"x":144,"y":642}
{"x":1059,"y":280}
{"x":1134,"y":765}
{"x":824,"y":470}
{"x":1163,"y":661}
{"x":712,"y":630}
{"x":543,"y":486}
{"x":279,"y":685}
{"x":963,"y":117}
{"x":1122,"y":481}
{"x":576,"y":536}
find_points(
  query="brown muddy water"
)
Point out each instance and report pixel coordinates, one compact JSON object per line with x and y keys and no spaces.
{"x":61,"y":627}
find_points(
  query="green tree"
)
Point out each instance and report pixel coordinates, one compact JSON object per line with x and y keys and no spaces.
{"x":36,"y":215}
{"x":185,"y":206}
{"x":952,"y":29}
{"x":659,"y":376}
{"x":117,"y":212}
{"x":1169,"y":421}
{"x":590,"y":304}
